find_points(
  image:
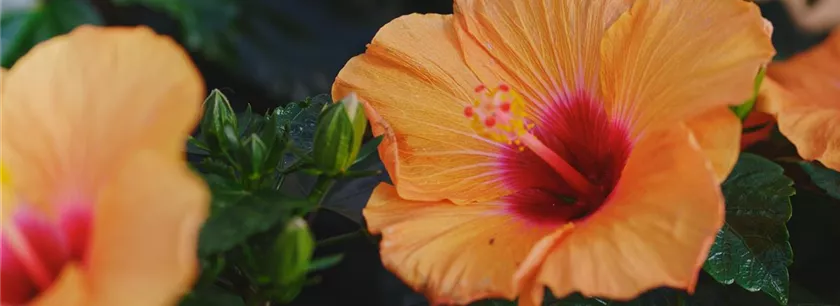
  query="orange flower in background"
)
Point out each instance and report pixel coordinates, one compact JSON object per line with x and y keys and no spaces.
{"x":757,"y":128}
{"x":577,"y":145}
{"x":803,"y":93}
{"x":99,"y":206}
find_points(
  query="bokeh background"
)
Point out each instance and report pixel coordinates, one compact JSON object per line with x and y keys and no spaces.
{"x":268,"y":52}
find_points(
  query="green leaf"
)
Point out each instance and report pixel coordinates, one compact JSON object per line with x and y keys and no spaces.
{"x":368,"y":148}
{"x":20,"y":31}
{"x":326,"y":262}
{"x":752,"y":249}
{"x":211,"y":296}
{"x":249,"y":122}
{"x":825,"y":178}
{"x":236,"y":214}
{"x":300,"y":118}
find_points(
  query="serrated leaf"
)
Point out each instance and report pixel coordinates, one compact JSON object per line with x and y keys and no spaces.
{"x":300,"y":118}
{"x":752,"y":249}
{"x":21,"y":31}
{"x":211,"y":296}
{"x":236,"y":214}
{"x":825,"y":178}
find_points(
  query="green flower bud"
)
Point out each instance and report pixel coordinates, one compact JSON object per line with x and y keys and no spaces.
{"x":217,"y":115}
{"x":338,"y":135}
{"x":291,"y":256}
{"x":293,"y":250}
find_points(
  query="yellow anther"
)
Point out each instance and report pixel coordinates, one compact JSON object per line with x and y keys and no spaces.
{"x":499,"y":114}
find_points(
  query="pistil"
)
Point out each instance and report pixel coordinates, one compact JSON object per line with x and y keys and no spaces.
{"x":499,"y":114}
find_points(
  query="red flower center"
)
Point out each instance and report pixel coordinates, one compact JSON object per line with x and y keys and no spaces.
{"x":580,"y":132}
{"x":34,"y":249}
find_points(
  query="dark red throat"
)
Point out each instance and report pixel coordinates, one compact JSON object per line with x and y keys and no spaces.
{"x":48,"y":245}
{"x":581,"y":132}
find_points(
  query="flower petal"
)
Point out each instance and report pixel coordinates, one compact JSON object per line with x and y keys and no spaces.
{"x":548,"y":50}
{"x":68,"y":290}
{"x":415,"y":85}
{"x":718,"y":132}
{"x":666,"y":61}
{"x":443,"y":250}
{"x":653,"y":230}
{"x":803,"y":93}
{"x":145,"y":233}
{"x":75,"y":105}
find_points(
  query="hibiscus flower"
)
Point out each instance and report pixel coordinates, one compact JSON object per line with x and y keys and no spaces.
{"x":99,"y":206}
{"x":575,"y":144}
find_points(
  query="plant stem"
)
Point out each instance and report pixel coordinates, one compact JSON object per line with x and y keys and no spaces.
{"x":318,"y":193}
{"x":340,"y":238}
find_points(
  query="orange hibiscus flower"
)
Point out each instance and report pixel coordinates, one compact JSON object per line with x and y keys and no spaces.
{"x":590,"y":159}
{"x":99,"y":205}
{"x":803,"y":93}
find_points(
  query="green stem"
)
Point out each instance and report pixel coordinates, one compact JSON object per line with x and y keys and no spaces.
{"x":318,"y":193}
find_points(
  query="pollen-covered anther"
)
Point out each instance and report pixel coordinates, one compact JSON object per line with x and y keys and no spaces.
{"x":499,"y":114}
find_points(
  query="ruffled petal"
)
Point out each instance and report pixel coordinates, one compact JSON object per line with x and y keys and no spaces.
{"x":145,"y":233}
{"x":415,"y":85}
{"x":667,"y":61}
{"x":718,"y":132}
{"x":653,"y":230}
{"x":77,"y":104}
{"x":803,"y":94}
{"x":548,"y":50}
{"x":444,"y":250}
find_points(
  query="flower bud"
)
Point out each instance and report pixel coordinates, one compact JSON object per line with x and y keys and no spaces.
{"x":218,"y":114}
{"x":338,"y":135}
{"x":291,"y":256}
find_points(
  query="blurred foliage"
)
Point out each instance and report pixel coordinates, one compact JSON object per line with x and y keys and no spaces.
{"x":20,"y":30}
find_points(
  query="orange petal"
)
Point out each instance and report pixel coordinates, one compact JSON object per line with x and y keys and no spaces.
{"x":666,"y":61}
{"x":803,"y":94}
{"x":415,"y":86}
{"x":75,"y":105}
{"x":548,"y":50}
{"x":532,"y":294}
{"x":718,"y":132}
{"x":653,"y":230}
{"x":444,"y":250}
{"x":145,"y":233}
{"x":68,"y":290}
